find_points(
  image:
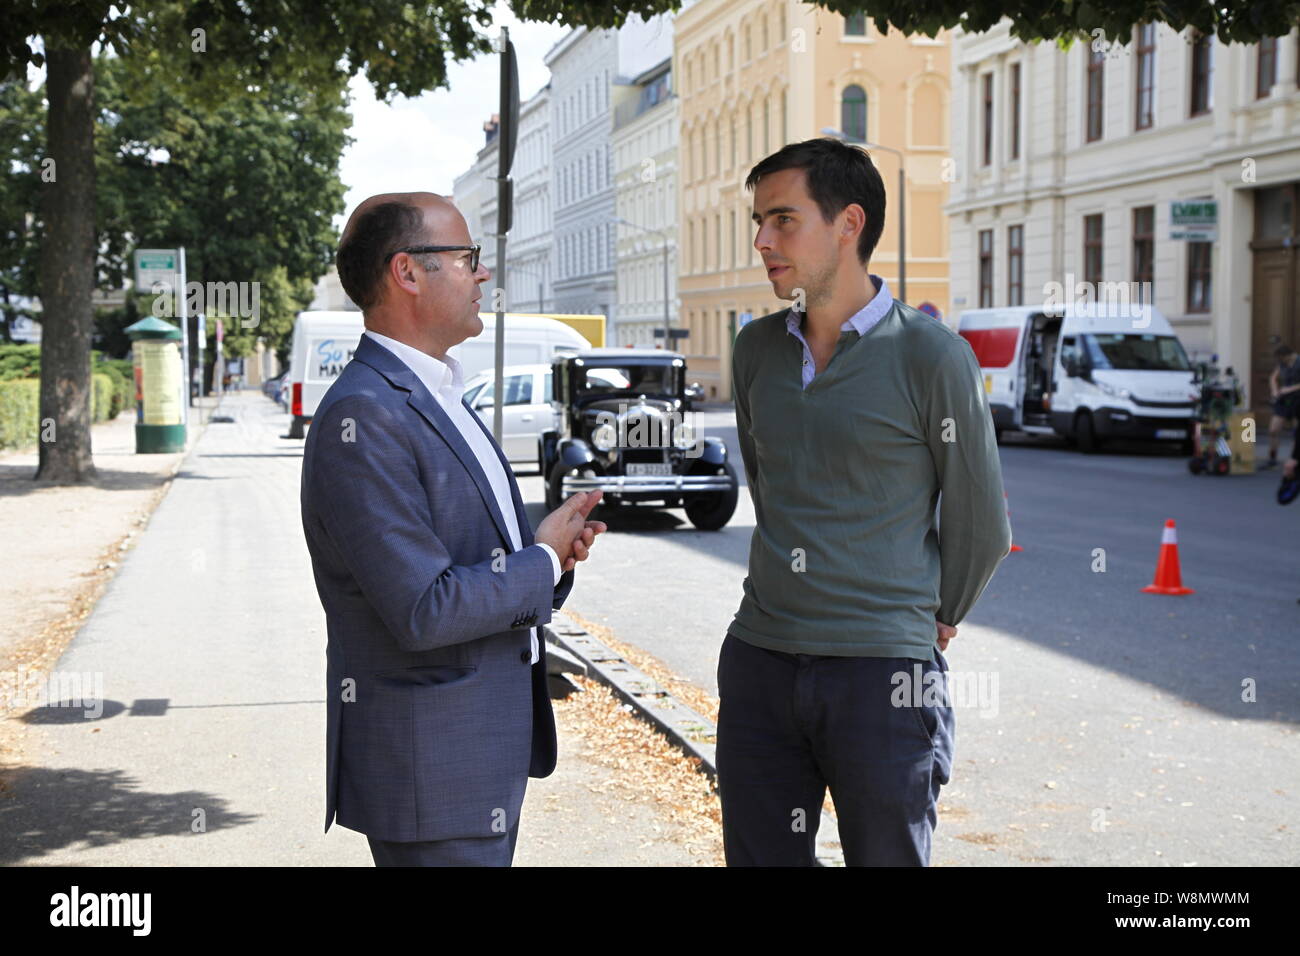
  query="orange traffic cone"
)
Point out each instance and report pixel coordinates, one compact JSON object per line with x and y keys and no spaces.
{"x":1014,"y":546}
{"x":1169,"y":580}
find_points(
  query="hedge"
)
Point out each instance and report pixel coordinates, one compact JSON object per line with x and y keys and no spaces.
{"x":123,"y":390}
{"x":103,"y":393}
{"x":19,"y":361}
{"x":20,"y":403}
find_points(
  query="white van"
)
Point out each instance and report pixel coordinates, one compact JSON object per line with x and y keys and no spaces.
{"x":324,"y":342}
{"x":1086,"y":372}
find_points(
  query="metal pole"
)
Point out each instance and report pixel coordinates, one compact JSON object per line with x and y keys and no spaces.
{"x":500,"y":357}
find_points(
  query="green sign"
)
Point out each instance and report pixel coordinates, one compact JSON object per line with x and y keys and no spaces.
{"x":1195,"y":220}
{"x":155,"y":265}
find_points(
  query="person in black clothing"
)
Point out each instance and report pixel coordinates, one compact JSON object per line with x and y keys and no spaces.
{"x":1284,"y":388}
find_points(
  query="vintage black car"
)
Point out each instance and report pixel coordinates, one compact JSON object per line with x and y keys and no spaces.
{"x":622,"y":426}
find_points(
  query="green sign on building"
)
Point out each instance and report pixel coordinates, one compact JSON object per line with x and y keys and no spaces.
{"x":1195,"y":220}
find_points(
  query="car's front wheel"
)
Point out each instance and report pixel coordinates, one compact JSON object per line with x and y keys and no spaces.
{"x":712,"y":511}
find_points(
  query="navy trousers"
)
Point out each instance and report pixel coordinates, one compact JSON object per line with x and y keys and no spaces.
{"x":478,"y":851}
{"x":791,"y":725}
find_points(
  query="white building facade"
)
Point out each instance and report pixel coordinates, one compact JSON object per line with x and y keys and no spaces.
{"x":583,"y":66}
{"x":1067,"y":167}
{"x":529,"y":281}
{"x":645,"y":178}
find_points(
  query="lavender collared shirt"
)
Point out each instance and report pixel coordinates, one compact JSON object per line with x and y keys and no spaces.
{"x":859,"y":322}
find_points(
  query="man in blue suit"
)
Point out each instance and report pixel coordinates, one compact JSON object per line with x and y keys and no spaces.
{"x":432,"y":581}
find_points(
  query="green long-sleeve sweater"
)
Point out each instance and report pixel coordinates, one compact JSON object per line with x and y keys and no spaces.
{"x":846,"y":558}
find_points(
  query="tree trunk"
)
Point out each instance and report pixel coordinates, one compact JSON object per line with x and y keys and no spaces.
{"x":67,"y":269}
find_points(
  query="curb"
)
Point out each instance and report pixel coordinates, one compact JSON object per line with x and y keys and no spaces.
{"x":690,"y":731}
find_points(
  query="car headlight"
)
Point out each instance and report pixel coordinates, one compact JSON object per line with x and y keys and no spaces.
{"x":1112,"y":390}
{"x":684,"y":437}
{"x":604,"y":437}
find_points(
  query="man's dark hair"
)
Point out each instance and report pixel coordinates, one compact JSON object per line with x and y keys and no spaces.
{"x":377,"y":232}
{"x":837,"y":174}
{"x":1282,"y":351}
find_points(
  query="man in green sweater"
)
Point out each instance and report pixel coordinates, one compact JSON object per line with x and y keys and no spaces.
{"x":856,"y":414}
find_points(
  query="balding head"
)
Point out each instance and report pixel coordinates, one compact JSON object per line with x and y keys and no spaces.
{"x":423,"y":201}
{"x":387,"y":222}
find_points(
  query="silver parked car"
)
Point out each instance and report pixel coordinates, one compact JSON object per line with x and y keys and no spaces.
{"x":526,"y":412}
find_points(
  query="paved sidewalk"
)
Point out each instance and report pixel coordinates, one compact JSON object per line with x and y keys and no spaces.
{"x":63,"y":544}
{"x":210,"y":748}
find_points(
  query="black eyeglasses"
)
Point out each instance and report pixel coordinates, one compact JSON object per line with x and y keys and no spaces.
{"x":416,"y":250}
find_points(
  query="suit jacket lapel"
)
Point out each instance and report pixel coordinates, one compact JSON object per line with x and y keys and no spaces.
{"x":525,"y":531}
{"x":428,"y":407}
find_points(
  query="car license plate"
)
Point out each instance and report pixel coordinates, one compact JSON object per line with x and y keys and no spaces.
{"x":1171,"y":433}
{"x":654,"y":468}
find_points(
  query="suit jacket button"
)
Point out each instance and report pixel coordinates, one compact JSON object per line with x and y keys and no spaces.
{"x":526,"y":655}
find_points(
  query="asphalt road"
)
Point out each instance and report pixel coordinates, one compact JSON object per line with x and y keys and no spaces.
{"x":1118,"y":733}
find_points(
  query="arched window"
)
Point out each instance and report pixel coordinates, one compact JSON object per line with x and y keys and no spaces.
{"x":853,"y":114}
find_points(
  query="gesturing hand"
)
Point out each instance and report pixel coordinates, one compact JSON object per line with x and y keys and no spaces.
{"x":567,"y":530}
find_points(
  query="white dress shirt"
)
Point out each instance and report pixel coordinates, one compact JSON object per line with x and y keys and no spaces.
{"x":446,"y":384}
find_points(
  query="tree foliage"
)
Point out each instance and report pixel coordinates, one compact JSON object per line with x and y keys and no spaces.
{"x":249,"y":188}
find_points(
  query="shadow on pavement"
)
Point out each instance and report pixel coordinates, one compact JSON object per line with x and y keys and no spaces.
{"x":17,"y":480}
{"x":46,"y":810}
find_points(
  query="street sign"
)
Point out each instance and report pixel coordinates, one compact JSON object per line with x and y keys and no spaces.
{"x":1194,"y":221}
{"x":745,"y":319}
{"x":153,"y":266}
{"x":675,"y":333}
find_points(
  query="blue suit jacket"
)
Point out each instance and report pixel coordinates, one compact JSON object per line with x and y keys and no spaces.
{"x":435,"y":718}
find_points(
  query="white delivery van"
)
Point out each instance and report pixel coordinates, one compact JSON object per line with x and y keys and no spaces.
{"x":1087,"y":372}
{"x":324,"y":342}
{"x":530,"y":340}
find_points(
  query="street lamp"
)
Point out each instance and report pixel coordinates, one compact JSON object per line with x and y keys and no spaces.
{"x":668,"y":339}
{"x":902,"y":205}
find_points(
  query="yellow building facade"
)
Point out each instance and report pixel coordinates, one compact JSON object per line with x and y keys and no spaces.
{"x":753,"y":75}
